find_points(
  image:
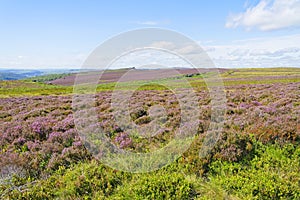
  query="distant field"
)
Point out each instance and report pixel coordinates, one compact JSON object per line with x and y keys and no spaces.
{"x":146,"y":75}
{"x":134,"y":75}
{"x":140,"y":78}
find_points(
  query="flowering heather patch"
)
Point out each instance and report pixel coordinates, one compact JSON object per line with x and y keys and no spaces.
{"x":38,"y":130}
{"x":123,"y":140}
{"x":38,"y":138}
{"x":38,"y":133}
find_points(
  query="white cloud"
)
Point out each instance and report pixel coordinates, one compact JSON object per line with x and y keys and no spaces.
{"x":283,"y":51}
{"x":280,"y":51}
{"x":268,"y":15}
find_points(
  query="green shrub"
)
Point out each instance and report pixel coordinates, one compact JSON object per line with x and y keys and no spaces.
{"x":83,"y":181}
{"x":274,"y":173}
{"x":161,"y":185}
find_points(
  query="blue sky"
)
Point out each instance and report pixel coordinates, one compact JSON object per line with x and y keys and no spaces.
{"x":236,"y":33}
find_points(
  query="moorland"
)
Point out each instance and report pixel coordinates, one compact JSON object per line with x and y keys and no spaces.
{"x":257,"y":155}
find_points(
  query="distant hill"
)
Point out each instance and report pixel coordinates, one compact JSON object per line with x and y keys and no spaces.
{"x":17,"y":74}
{"x":8,"y":74}
{"x":109,"y":76}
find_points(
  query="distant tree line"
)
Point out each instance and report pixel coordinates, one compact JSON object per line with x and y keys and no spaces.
{"x":47,"y":78}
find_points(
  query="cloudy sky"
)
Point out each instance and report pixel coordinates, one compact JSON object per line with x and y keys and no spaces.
{"x":234,"y":33}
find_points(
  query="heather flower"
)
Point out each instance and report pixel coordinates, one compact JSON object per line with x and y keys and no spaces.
{"x":55,"y":136}
{"x":270,"y":110}
{"x":37,"y":127}
{"x":256,"y":103}
{"x":20,"y":141}
{"x":65,"y":151}
{"x":18,"y":129}
{"x":244,"y":105}
{"x":123,"y":140}
{"x":33,"y":146}
{"x":77,"y":144}
{"x":125,"y":143}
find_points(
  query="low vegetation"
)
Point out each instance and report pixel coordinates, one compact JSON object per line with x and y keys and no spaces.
{"x":257,"y":155}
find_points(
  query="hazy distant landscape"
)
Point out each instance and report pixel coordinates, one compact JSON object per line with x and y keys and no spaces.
{"x":17,"y":74}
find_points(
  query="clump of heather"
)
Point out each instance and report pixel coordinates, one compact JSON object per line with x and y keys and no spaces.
{"x":39,"y":129}
{"x":123,"y":140}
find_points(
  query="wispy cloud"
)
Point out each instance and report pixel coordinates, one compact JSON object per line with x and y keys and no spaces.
{"x":152,"y":22}
{"x":267,"y":15}
{"x":258,"y":52}
{"x":148,"y":23}
{"x":280,"y":51}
